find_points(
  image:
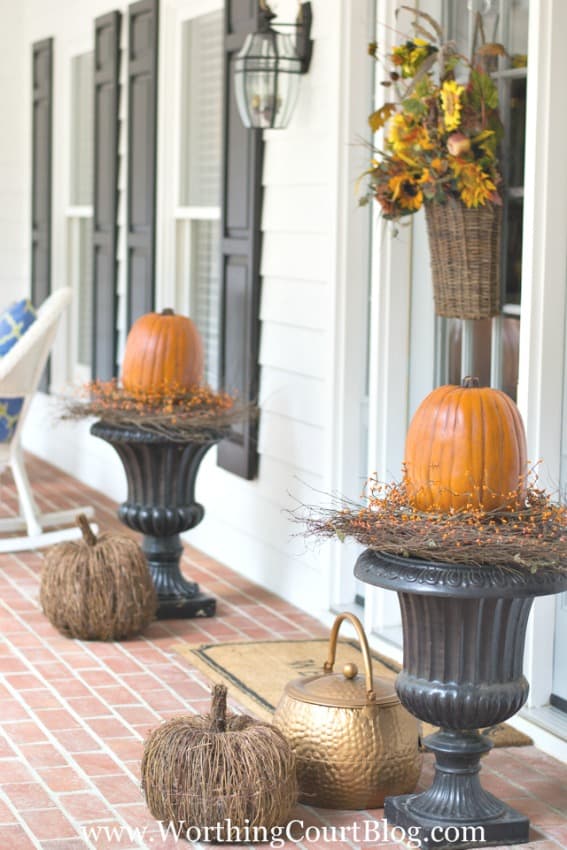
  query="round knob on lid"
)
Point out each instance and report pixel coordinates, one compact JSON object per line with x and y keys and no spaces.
{"x":350,"y":671}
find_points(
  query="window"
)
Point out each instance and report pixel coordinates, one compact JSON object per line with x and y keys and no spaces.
{"x":197,"y":215}
{"x":79,"y":212}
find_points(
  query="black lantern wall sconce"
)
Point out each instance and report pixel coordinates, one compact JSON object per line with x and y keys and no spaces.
{"x":268,"y":68}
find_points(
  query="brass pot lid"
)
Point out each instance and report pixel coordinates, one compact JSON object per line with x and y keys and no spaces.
{"x":342,"y":690}
{"x":346,"y":689}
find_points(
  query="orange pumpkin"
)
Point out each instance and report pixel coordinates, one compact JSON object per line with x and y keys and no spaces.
{"x":465,"y":447}
{"x":163,"y":352}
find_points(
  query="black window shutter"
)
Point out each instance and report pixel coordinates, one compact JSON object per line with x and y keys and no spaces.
{"x":42,"y":121}
{"x":142,"y":134}
{"x":240,"y":249}
{"x":105,"y":225}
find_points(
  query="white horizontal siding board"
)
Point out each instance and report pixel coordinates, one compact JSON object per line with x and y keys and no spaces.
{"x":295,"y":302}
{"x":296,"y":208}
{"x":294,"y":396}
{"x":299,"y":350}
{"x":292,"y":578}
{"x":258,"y":512}
{"x":300,"y":256}
{"x":10,"y":178}
{"x":296,"y":158}
{"x":271,"y":525}
{"x":286,"y":485}
{"x":286,"y":11}
{"x":279,"y":482}
{"x":72,"y":19}
{"x":288,"y":440}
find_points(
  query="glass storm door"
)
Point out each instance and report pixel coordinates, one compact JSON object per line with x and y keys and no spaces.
{"x":489,"y":348}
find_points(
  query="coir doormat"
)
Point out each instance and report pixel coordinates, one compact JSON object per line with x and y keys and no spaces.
{"x":256,"y":673}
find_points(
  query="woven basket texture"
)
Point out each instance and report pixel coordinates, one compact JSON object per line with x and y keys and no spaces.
{"x":465,"y":259}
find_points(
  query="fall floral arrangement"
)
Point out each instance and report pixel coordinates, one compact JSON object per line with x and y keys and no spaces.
{"x":161,"y":390}
{"x":467,"y":495}
{"x":441,"y":128}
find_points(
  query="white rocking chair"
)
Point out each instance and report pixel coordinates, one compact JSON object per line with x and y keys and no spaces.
{"x":20,"y":372}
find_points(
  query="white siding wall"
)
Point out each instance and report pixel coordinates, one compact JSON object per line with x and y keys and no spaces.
{"x":245,"y":525}
{"x":14,"y":166}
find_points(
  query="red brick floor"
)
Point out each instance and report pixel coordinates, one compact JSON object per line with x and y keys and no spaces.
{"x":73,"y":716}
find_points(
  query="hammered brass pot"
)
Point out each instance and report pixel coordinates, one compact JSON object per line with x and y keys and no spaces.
{"x":354,"y":742}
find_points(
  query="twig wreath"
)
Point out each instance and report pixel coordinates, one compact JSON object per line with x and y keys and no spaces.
{"x":530,"y":534}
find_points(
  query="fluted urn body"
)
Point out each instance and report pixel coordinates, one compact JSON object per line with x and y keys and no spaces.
{"x":161,"y":475}
{"x":464,"y":633}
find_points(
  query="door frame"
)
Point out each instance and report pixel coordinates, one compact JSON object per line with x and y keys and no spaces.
{"x":544,"y":264}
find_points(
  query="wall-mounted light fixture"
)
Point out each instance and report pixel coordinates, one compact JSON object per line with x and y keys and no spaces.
{"x":267,"y":69}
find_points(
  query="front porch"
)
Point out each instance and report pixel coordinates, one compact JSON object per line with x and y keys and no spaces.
{"x":73,"y":716}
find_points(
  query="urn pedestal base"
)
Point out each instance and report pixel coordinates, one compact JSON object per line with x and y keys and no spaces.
{"x":177,"y":597}
{"x":456,"y":811}
{"x":161,"y":475}
{"x":510,"y":828}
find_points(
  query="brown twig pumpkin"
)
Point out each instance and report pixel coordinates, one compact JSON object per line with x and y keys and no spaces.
{"x":466,"y":448}
{"x":98,"y":588}
{"x":164,"y":352}
{"x":201,"y":771}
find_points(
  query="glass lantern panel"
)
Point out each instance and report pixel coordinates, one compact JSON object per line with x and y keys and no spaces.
{"x":267,"y":80}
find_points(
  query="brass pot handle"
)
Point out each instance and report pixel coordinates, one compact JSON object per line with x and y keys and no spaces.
{"x":330,"y":662}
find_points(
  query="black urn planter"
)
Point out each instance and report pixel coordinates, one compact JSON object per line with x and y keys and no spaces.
{"x":464,"y":633}
{"x":161,"y":504}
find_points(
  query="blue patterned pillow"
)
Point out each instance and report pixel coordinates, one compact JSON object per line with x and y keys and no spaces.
{"x":14,"y":322}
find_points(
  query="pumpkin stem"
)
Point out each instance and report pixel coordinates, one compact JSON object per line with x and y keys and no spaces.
{"x":87,"y":532}
{"x":218,"y":709}
{"x":469,"y":382}
{"x":168,"y":312}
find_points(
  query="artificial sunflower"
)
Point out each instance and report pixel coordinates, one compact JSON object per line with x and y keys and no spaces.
{"x":475,"y":186}
{"x":406,"y":136}
{"x":411,"y":55}
{"x":451,"y":93}
{"x":406,"y":191}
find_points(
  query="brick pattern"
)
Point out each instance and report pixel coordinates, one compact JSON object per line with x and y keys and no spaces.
{"x":73,"y":716}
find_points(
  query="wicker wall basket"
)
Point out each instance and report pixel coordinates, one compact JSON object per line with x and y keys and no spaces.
{"x":465,"y":259}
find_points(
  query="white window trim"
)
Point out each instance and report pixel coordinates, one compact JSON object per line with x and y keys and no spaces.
{"x":347,"y":408}
{"x":79,"y":373}
{"x":544,"y":275}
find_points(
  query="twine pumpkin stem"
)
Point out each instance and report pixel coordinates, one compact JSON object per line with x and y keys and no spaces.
{"x":218,"y":709}
{"x":470,"y":381}
{"x":88,"y":536}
